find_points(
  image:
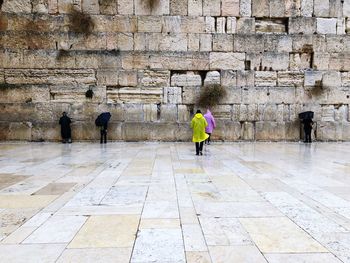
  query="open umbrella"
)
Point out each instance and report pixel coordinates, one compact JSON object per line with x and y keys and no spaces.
{"x":103,"y":119}
{"x":307,"y":115}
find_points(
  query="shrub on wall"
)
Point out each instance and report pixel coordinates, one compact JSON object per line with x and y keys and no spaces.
{"x":80,"y":22}
{"x":211,"y":95}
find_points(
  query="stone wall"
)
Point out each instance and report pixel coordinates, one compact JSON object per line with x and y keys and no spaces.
{"x":146,"y":62}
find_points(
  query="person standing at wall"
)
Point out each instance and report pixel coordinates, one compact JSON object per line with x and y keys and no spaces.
{"x":102,"y":122}
{"x":198,"y":125}
{"x":65,"y":122}
{"x":211,"y":125}
{"x":307,"y":129}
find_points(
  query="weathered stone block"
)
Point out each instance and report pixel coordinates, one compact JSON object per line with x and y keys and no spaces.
{"x":125,"y":7}
{"x":245,"y":78}
{"x":189,"y":79}
{"x":326,"y":25}
{"x":183,"y":113}
{"x":269,"y":131}
{"x":321,"y":61}
{"x":106,"y":7}
{"x":220,"y":25}
{"x":321,"y":8}
{"x":233,"y":95}
{"x":17,"y":6}
{"x":168,"y":113}
{"x":341,"y":26}
{"x":346,"y":8}
{"x":195,"y":7}
{"x":212,"y":77}
{"x":171,"y":24}
{"x":277,"y":8}
{"x":292,"y":8}
{"x":307,"y":8}
{"x":234,"y":61}
{"x":190,"y":95}
{"x":275,"y":61}
{"x":136,"y":131}
{"x":156,"y":7}
{"x":231,"y":25}
{"x":246,"y":8}
{"x":149,"y":24}
{"x":290,"y":79}
{"x":248,"y":43}
{"x":277,"y":26}
{"x":222,"y":42}
{"x":172,"y":95}
{"x":150,"y":112}
{"x":173,"y":42}
{"x":265,"y":78}
{"x":260,"y":8}
{"x":127,"y":78}
{"x":205,"y":42}
{"x":331,"y":80}
{"x":228,"y":78}
{"x":302,"y":25}
{"x":211,"y":7}
{"x":339,"y":61}
{"x":134,"y":95}
{"x":178,"y":7}
{"x":248,"y":131}
{"x":313,"y":78}
{"x":246,"y":25}
{"x":154,"y":78}
{"x":230,"y":8}
{"x":193,"y":42}
{"x":222,"y":112}
{"x":300,"y":61}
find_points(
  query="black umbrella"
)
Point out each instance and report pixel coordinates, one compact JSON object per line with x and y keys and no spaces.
{"x":103,"y":119}
{"x":307,"y":115}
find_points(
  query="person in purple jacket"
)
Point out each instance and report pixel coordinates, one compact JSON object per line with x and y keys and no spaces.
{"x":211,"y":125}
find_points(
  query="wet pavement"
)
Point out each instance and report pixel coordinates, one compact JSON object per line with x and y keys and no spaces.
{"x":158,"y":202}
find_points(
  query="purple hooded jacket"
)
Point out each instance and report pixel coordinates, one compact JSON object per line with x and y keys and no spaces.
{"x":211,"y":122}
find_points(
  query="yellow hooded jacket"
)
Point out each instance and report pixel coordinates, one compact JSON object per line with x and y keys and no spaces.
{"x":198,"y":125}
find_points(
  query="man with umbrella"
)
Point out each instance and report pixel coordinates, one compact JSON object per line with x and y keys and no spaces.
{"x":65,"y":122}
{"x":102,"y":122}
{"x":306,"y":119}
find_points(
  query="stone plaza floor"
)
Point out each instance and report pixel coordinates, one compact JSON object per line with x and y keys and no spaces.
{"x":158,"y":202}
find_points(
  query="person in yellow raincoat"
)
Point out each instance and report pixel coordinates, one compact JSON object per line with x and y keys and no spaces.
{"x":198,"y":125}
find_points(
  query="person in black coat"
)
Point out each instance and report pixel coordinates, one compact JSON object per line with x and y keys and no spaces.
{"x":65,"y":122}
{"x":307,"y":129}
{"x":103,"y":130}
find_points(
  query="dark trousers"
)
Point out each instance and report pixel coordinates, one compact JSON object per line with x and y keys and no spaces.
{"x":199,"y":147}
{"x":307,"y":135}
{"x":103,"y":136}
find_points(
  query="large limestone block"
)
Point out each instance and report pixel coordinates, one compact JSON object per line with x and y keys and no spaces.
{"x":212,"y":77}
{"x":108,"y":7}
{"x":313,"y":78}
{"x":40,"y":6}
{"x":135,"y":131}
{"x":211,"y":7}
{"x":249,"y":43}
{"x":269,"y":131}
{"x":231,"y":25}
{"x":221,"y":25}
{"x":245,"y":78}
{"x":228,"y":78}
{"x":168,"y":113}
{"x":183,"y":113}
{"x":307,"y":8}
{"x":210,"y":24}
{"x":326,"y":25}
{"x":278,"y":43}
{"x":300,"y":61}
{"x":346,"y":8}
{"x":321,"y":8}
{"x":193,"y":42}
{"x":178,"y":7}
{"x":91,"y":6}
{"x":154,"y":78}
{"x":248,"y":131}
{"x":290,"y":79}
{"x":345,"y":79}
{"x":339,"y":61}
{"x":125,"y":7}
{"x":222,"y":112}
{"x":246,"y":25}
{"x":302,"y":25}
{"x":230,"y":8}
{"x":190,"y":95}
{"x":190,"y":79}
{"x":152,"y":7}
{"x":195,"y":7}
{"x":17,"y":6}
{"x":277,"y":26}
{"x":277,"y":8}
{"x":180,"y":60}
{"x":171,"y":24}
{"x":172,"y":95}
{"x":190,"y":24}
{"x":173,"y":42}
{"x":163,"y":132}
{"x":260,"y":8}
{"x":265,"y":78}
{"x":50,"y":76}
{"x":292,"y":8}
{"x":245,"y":8}
{"x":150,"y":112}
{"x":127,"y":78}
{"x":149,"y":24}
{"x":223,"y":42}
{"x":331,"y":80}
{"x":232,"y":131}
{"x":134,"y":95}
{"x":321,"y":61}
{"x":24,"y":94}
{"x":205,"y":42}
{"x":233,"y":95}
{"x":275,"y":61}
{"x":230,"y":60}
{"x":133,"y":112}
{"x":341,"y":26}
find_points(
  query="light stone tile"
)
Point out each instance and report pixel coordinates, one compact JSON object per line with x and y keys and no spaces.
{"x":125,"y":195}
{"x":236,"y":209}
{"x":242,"y":254}
{"x":197,"y":257}
{"x":88,"y":196}
{"x":280,"y":235}
{"x":161,"y":209}
{"x":159,"y":223}
{"x":58,"y":229}
{"x":159,"y":245}
{"x":55,"y":189}
{"x":102,"y":210}
{"x":193,"y":238}
{"x":37,"y":220}
{"x":92,"y":255}
{"x":224,"y":232}
{"x":302,"y":258}
{"x":107,"y":231}
{"x":30,"y":253}
{"x":22,"y":201}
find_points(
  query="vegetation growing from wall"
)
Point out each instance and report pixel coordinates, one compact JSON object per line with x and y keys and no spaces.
{"x":211,"y":95}
{"x":80,"y":22}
